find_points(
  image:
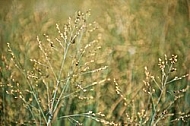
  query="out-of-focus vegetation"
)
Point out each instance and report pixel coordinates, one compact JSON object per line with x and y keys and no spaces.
{"x":122,"y":62}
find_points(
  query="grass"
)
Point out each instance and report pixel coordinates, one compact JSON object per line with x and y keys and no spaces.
{"x":57,"y":73}
{"x":122,"y":63}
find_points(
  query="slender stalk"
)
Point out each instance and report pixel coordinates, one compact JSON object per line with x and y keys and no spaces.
{"x":52,"y":108}
{"x":29,"y":83}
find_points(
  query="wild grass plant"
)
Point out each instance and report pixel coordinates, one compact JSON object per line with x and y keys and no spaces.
{"x":162,"y":102}
{"x":81,"y":72}
{"x":57,"y":80}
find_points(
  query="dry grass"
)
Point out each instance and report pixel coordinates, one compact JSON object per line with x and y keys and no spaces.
{"x":61,"y":73}
{"x":59,"y":69}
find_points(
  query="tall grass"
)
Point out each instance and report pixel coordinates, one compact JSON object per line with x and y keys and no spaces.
{"x":61,"y":73}
{"x":130,"y":67}
{"x":161,"y":103}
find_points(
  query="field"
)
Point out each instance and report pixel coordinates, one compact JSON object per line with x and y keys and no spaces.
{"x":95,"y":63}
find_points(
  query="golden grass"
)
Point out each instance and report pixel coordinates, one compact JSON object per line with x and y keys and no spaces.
{"x":98,"y":67}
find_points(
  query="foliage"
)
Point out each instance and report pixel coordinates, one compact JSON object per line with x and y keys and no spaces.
{"x":57,"y":70}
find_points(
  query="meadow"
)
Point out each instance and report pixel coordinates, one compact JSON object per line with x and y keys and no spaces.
{"x":95,"y":63}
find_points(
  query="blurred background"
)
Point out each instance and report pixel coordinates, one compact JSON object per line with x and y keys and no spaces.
{"x":134,"y":33}
{"x":156,"y":28}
